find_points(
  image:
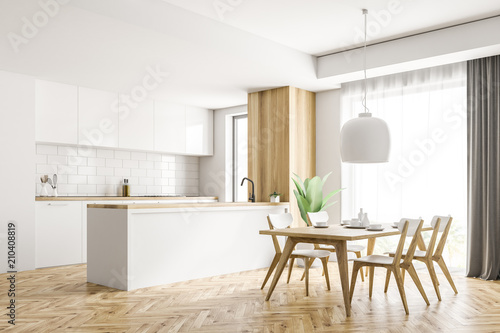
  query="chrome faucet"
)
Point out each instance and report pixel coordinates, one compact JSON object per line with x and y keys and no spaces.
{"x":252,"y":195}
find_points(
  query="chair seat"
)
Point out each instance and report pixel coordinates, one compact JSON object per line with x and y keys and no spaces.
{"x":376,"y":259}
{"x":312,"y":253}
{"x":350,"y":247}
{"x":418,"y":253}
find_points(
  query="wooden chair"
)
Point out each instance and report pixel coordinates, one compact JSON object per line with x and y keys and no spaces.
{"x":439,"y":224}
{"x":354,"y":248}
{"x":395,"y":264}
{"x":283,"y":221}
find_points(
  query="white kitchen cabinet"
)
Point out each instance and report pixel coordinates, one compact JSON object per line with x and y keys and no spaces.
{"x":58,"y":233}
{"x":199,"y":131}
{"x":97,"y":118}
{"x":137,"y":126}
{"x":56,"y":112}
{"x":169,"y":127}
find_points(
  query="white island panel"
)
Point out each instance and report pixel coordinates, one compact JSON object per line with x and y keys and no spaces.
{"x":167,"y":245}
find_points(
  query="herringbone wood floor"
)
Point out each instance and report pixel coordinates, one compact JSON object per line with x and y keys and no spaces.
{"x":60,"y":300}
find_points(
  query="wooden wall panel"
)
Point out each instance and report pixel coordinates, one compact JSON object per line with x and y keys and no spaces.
{"x":281,"y":140}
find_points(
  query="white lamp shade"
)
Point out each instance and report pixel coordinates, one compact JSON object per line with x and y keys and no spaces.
{"x":365,"y":140}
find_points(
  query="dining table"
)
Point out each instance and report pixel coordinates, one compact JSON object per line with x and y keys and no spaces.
{"x":335,"y":235}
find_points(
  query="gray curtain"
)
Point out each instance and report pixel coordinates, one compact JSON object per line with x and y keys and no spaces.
{"x":483,"y":140}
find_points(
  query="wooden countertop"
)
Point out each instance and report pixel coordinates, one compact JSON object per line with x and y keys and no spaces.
{"x":91,"y":198}
{"x":190,"y":205}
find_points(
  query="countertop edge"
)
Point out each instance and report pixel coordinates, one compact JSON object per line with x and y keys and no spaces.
{"x":96,"y":198}
{"x":190,"y":205}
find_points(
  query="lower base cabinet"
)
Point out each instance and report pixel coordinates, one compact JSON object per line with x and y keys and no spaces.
{"x":58,"y":233}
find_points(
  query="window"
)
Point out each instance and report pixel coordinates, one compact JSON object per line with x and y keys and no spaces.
{"x":427,"y":171}
{"x":240,"y":158}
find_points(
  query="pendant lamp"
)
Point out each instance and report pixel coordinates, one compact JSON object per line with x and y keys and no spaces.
{"x":365,"y":139}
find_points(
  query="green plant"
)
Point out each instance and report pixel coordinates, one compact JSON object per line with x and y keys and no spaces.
{"x":309,"y":194}
{"x":275,"y":194}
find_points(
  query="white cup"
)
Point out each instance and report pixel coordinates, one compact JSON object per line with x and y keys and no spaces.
{"x":375,"y":226}
{"x":320,"y":224}
{"x":355,"y":223}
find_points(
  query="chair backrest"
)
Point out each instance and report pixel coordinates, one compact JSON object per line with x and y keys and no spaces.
{"x":408,"y":227}
{"x":279,"y":221}
{"x":412,"y":228}
{"x":445,"y":220}
{"x":444,"y":226}
{"x":321,"y":216}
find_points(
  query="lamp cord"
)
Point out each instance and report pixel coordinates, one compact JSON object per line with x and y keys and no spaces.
{"x":365,"y":12}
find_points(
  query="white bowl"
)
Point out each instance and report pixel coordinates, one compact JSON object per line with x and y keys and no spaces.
{"x":320,"y":224}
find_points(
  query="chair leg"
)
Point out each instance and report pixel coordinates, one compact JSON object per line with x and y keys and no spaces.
{"x":358,"y":255}
{"x":372,"y":273}
{"x":446,"y":273}
{"x":434,"y":279}
{"x":275,"y":261}
{"x":387,"y":279}
{"x":290,"y":267}
{"x":355,"y":269}
{"x":401,"y":288}
{"x":310,"y":264}
{"x":306,"y":265}
{"x":324,"y":261}
{"x":403,"y":274}
{"x":414,"y":276}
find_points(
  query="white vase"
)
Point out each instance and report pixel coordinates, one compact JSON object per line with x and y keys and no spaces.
{"x":54,"y":192}
{"x":43,"y":190}
{"x":275,"y":199}
{"x":365,"y":221}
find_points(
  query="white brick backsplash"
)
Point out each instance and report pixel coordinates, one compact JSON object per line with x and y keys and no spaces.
{"x":90,"y":171}
{"x":67,"y":169}
{"x":98,"y":180}
{"x":87,"y":151}
{"x":90,"y":189}
{"x":87,"y":171}
{"x":41,"y":159}
{"x":105,"y":171}
{"x":154,"y":157}
{"x":122,"y":172}
{"x":139,"y":172}
{"x":123,"y":155}
{"x":74,"y":179}
{"x":114,"y":163}
{"x":130,"y":164}
{"x":168,"y":174}
{"x":154,"y":173}
{"x":146,"y":165}
{"x":146,"y":181}
{"x":139,"y":156}
{"x":46,"y":150}
{"x":77,"y":160}
{"x":67,"y":151}
{"x":167,"y":158}
{"x":46,"y":169}
{"x":105,"y":153}
{"x":96,"y":162}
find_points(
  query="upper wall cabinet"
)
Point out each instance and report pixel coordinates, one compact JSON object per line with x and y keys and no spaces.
{"x":56,"y":112}
{"x":169,"y":127}
{"x":97,"y":118}
{"x":199,"y":131}
{"x":137,"y":126}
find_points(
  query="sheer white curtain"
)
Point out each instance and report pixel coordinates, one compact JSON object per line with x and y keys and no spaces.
{"x":427,"y":171}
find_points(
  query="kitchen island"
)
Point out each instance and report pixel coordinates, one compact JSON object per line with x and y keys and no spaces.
{"x":143,"y":245}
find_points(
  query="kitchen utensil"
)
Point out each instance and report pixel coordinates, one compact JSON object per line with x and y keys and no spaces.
{"x":54,"y":179}
{"x":50,"y":182}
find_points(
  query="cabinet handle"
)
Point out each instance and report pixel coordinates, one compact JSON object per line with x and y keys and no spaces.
{"x":56,"y":205}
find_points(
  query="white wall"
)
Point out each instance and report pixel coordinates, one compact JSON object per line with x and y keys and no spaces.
{"x":328,"y":145}
{"x":216,"y":170}
{"x":17,"y":167}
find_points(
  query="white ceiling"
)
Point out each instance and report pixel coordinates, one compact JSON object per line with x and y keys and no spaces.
{"x":318,"y":27}
{"x":213,"y":61}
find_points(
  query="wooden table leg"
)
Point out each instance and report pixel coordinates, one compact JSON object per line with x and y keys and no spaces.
{"x":341,"y":249}
{"x":369,"y":249}
{"x":287,"y":251}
